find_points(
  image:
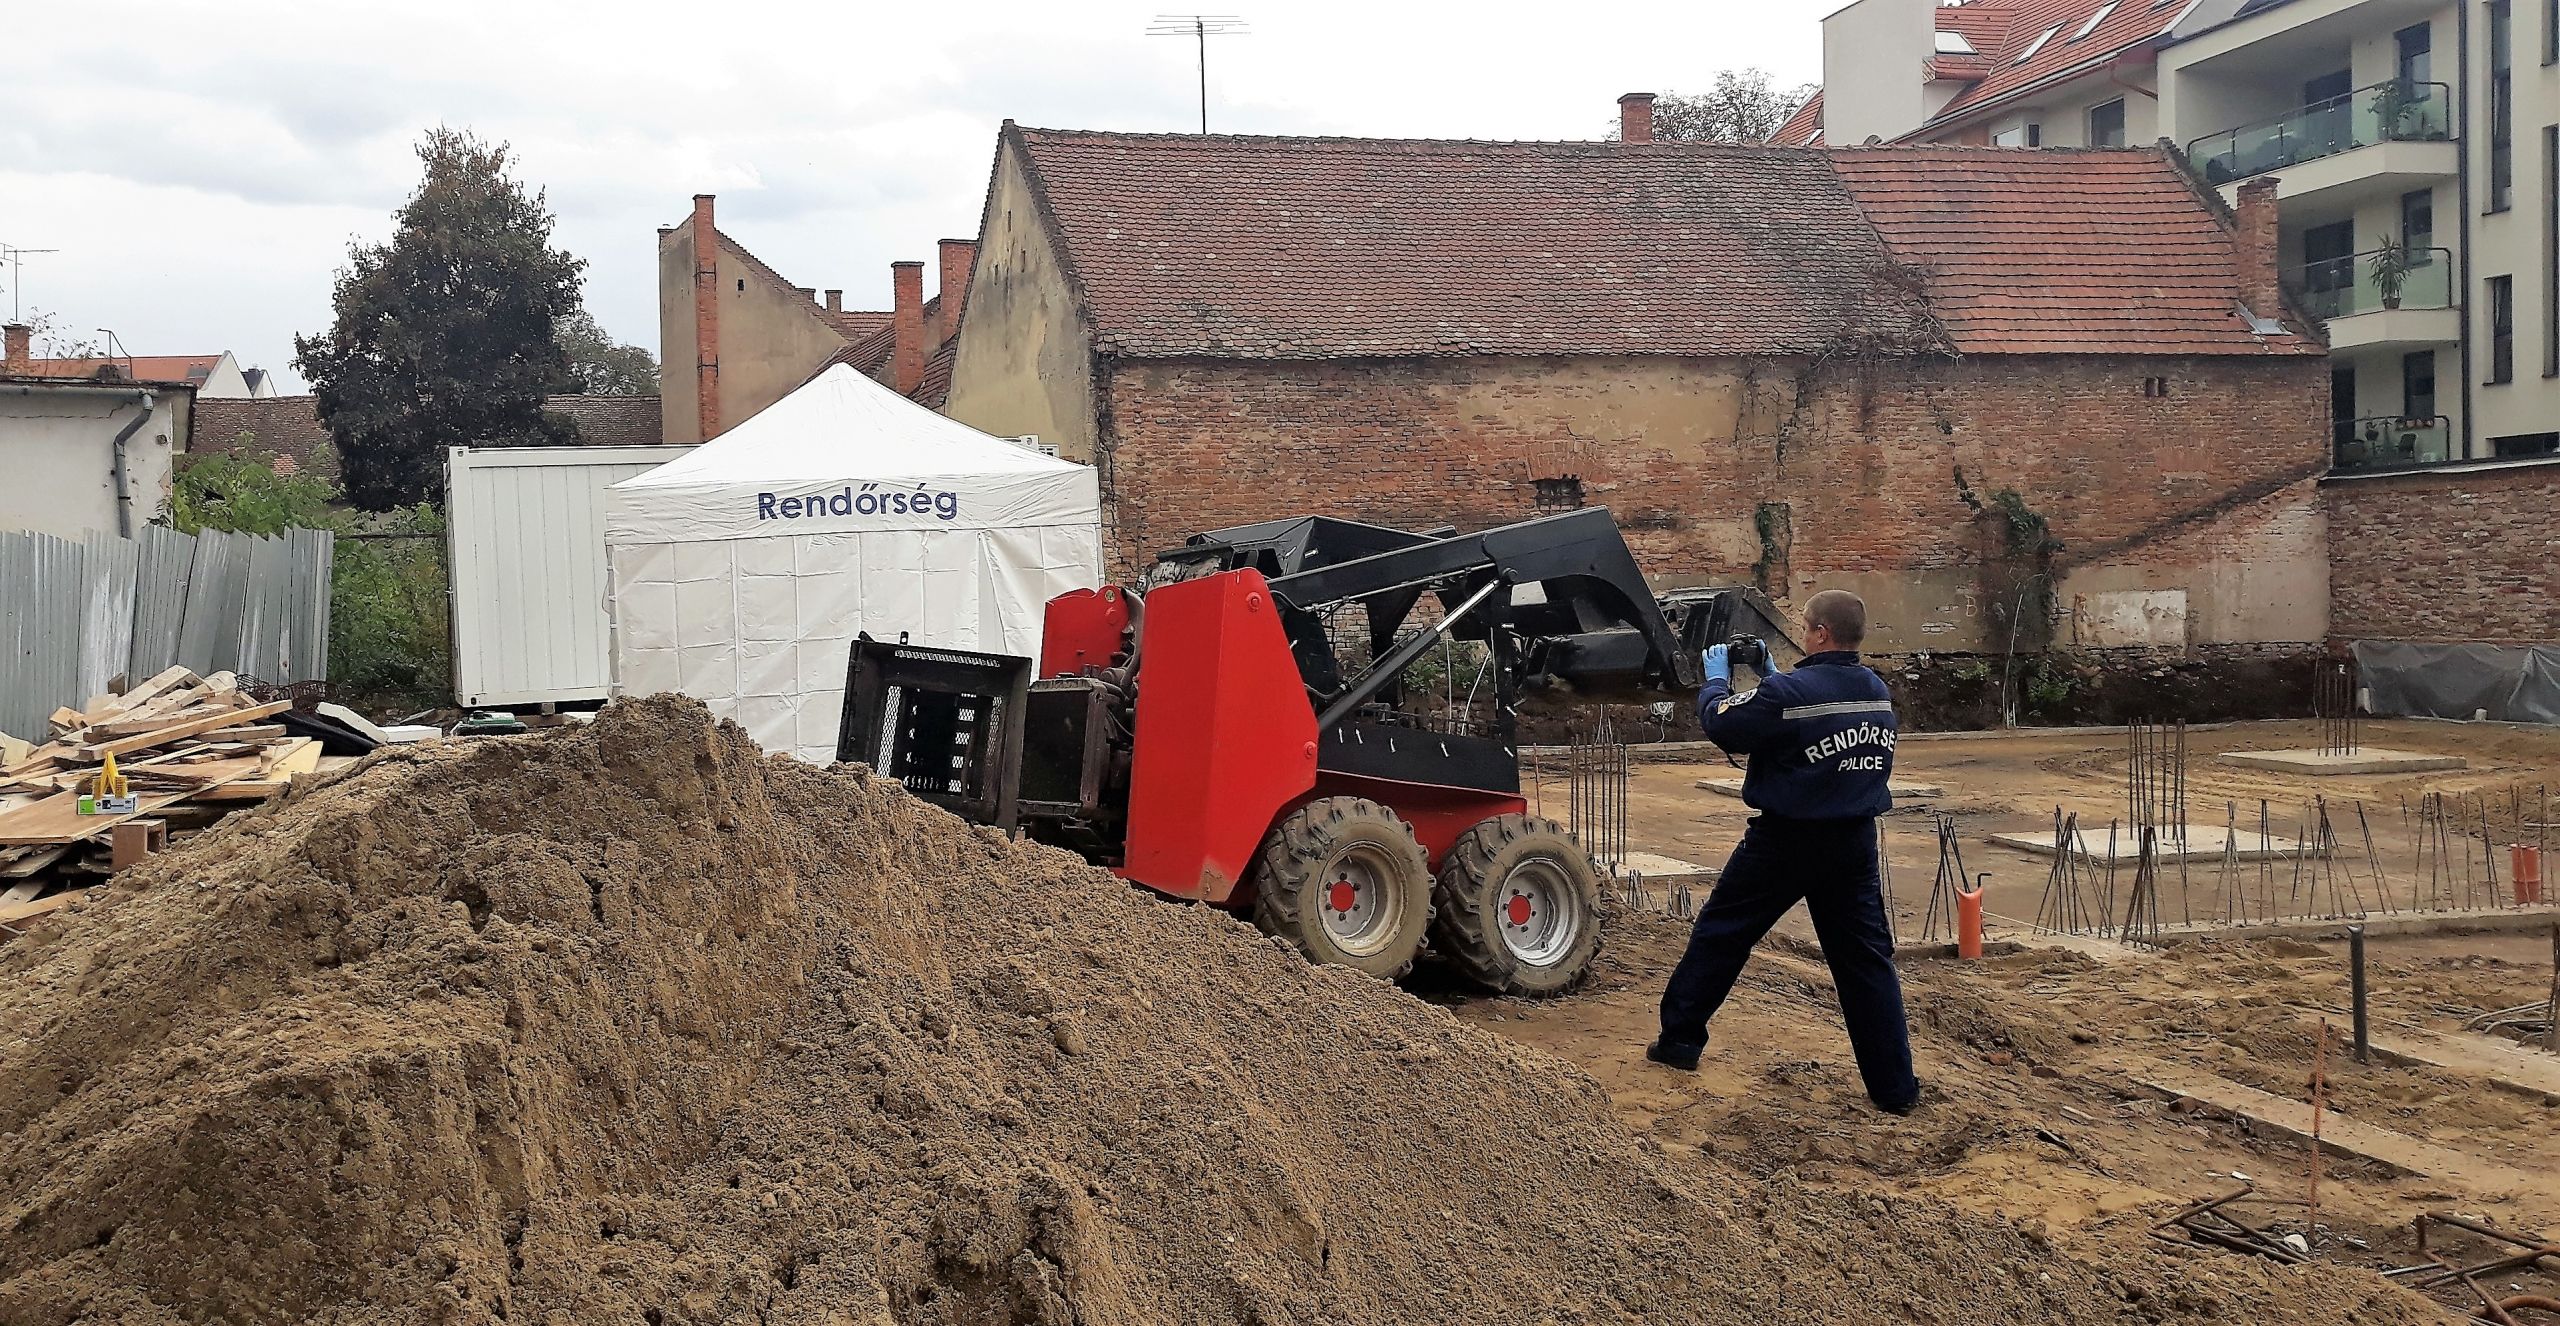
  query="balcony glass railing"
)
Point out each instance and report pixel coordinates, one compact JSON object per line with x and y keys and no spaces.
{"x":2385,"y":442}
{"x":2386,"y":112}
{"x":2344,"y":287}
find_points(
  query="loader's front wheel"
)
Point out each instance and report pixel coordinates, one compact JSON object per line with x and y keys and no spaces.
{"x":1519,"y":907}
{"x":1344,"y":880}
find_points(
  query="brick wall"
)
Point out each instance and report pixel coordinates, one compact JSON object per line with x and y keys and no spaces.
{"x":2446,"y":556}
{"x":1729,"y":470}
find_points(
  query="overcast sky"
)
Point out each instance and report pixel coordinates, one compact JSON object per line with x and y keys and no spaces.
{"x":201,"y":169}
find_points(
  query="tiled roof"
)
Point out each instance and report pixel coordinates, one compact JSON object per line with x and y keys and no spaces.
{"x":935,"y":386}
{"x":1802,"y":129}
{"x":289,"y":428}
{"x":2128,"y":24}
{"x":869,"y":355}
{"x":1278,"y":248}
{"x":1306,"y":248}
{"x":2061,"y":252}
{"x":286,"y":427}
{"x":854,"y":324}
{"x":612,"y":421}
{"x":191,"y":369}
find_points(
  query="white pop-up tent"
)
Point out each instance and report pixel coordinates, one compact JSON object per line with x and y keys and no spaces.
{"x":741,"y":573}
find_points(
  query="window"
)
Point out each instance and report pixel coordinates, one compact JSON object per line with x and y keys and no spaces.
{"x":2525,"y":444}
{"x":2418,"y":385}
{"x":2106,"y":124}
{"x":2551,"y":31}
{"x":2023,"y":135}
{"x":2551,"y":249}
{"x":2094,"y":20}
{"x":2501,"y":298}
{"x":1953,"y":43}
{"x":2156,"y":388}
{"x":2046,"y":36}
{"x":1563,"y":494}
{"x":2502,"y":109}
{"x":2416,"y":46}
{"x":2418,"y":223}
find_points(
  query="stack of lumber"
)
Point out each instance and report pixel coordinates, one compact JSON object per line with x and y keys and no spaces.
{"x":191,"y":748}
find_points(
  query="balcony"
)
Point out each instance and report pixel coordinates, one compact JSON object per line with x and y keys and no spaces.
{"x":2385,"y":137}
{"x":2350,"y":295}
{"x":2385,"y":442}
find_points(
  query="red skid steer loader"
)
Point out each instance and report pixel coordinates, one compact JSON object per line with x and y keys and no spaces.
{"x":1205,"y":737}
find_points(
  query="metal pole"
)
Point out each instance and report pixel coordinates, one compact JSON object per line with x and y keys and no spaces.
{"x":2355,"y":977}
{"x":1200,"y":29}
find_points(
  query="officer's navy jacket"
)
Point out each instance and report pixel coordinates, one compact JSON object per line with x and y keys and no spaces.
{"x":1819,"y":738}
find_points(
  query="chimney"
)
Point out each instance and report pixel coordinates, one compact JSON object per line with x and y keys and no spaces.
{"x":706,"y":320}
{"x":906,"y":326}
{"x":1635,"y":118}
{"x":2260,"y":286}
{"x":810,"y":293}
{"x":835,"y":301}
{"x":959,"y":259}
{"x":15,"y":358}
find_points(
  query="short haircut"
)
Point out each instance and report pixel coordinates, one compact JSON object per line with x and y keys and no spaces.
{"x":1845,"y":613}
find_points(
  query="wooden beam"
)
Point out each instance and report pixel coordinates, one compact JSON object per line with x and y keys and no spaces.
{"x":189,"y":728}
{"x":24,"y":911}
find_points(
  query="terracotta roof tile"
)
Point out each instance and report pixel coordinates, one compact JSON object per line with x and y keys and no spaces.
{"x":2127,"y":26}
{"x":1280,"y":248}
{"x":2061,"y":252}
{"x":1802,"y":129}
{"x":190,"y":369}
{"x":612,"y":421}
{"x":1307,"y":248}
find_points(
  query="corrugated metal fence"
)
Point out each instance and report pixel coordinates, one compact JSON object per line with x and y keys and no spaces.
{"x":75,"y":616}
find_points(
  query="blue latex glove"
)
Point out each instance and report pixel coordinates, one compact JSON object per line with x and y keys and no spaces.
{"x":1718,"y":667}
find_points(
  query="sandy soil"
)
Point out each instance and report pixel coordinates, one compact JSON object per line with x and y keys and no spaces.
{"x":2035,"y":1059}
{"x":628,"y":1022}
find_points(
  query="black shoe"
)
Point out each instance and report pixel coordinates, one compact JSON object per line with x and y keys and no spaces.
{"x":1682,"y":1057}
{"x":1901,"y":1109}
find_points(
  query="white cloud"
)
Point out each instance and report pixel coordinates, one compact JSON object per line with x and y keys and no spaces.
{"x":202,"y":184}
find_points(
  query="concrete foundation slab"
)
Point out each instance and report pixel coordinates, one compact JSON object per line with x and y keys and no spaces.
{"x":2341,"y":1136}
{"x":1732,"y":787}
{"x":1666,"y":869}
{"x":2331,"y":764}
{"x":2202,"y":842}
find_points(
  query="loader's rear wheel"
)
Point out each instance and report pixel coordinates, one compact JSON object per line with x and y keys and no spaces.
{"x":1519,"y":907}
{"x":1344,"y":880}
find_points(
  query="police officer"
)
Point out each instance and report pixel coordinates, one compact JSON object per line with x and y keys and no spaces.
{"x":1820,"y":744}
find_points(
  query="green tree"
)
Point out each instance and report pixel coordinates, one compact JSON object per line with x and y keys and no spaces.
{"x":448,"y":334}
{"x":1742,"y":107}
{"x":600,"y":366}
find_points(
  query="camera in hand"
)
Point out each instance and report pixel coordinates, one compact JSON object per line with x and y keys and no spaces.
{"x":1748,"y":651}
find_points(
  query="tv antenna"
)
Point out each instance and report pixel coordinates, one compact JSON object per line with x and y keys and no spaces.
{"x":11,"y":254}
{"x":1200,"y":28}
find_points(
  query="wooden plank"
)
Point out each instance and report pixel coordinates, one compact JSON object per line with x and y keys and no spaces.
{"x":174,"y":677}
{"x":2398,"y":1152}
{"x":193,"y":727}
{"x":23,"y":911}
{"x":134,"y":727}
{"x":32,"y":862}
{"x":297,"y":757}
{"x":57,"y":819}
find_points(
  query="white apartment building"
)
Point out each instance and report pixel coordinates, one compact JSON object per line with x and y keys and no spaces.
{"x":2415,"y":145}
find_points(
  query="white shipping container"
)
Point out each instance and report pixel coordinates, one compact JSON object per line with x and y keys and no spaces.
{"x":525,"y":531}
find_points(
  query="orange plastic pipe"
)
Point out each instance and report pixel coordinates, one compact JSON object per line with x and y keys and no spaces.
{"x":2526,"y":870}
{"x":1969,"y":923}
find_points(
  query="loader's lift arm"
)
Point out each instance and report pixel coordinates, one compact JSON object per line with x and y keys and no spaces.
{"x":1558,"y":600}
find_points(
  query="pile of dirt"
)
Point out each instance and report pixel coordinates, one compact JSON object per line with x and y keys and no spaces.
{"x":630,"y":1023}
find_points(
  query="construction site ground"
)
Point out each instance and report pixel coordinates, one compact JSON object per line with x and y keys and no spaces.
{"x":2095,"y":1087}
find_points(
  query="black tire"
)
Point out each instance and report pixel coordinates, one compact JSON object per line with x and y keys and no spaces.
{"x":1342,"y":850}
{"x":1519,"y":907}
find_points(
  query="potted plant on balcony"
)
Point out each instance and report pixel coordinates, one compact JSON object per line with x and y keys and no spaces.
{"x":2389,"y":268}
{"x":2391,"y":105}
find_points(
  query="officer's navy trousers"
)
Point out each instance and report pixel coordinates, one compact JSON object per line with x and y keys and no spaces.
{"x":1830,"y":865}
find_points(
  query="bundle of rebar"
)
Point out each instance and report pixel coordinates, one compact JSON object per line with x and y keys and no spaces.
{"x":2333,"y":702}
{"x":2155,"y":784}
{"x":1596,"y":790}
